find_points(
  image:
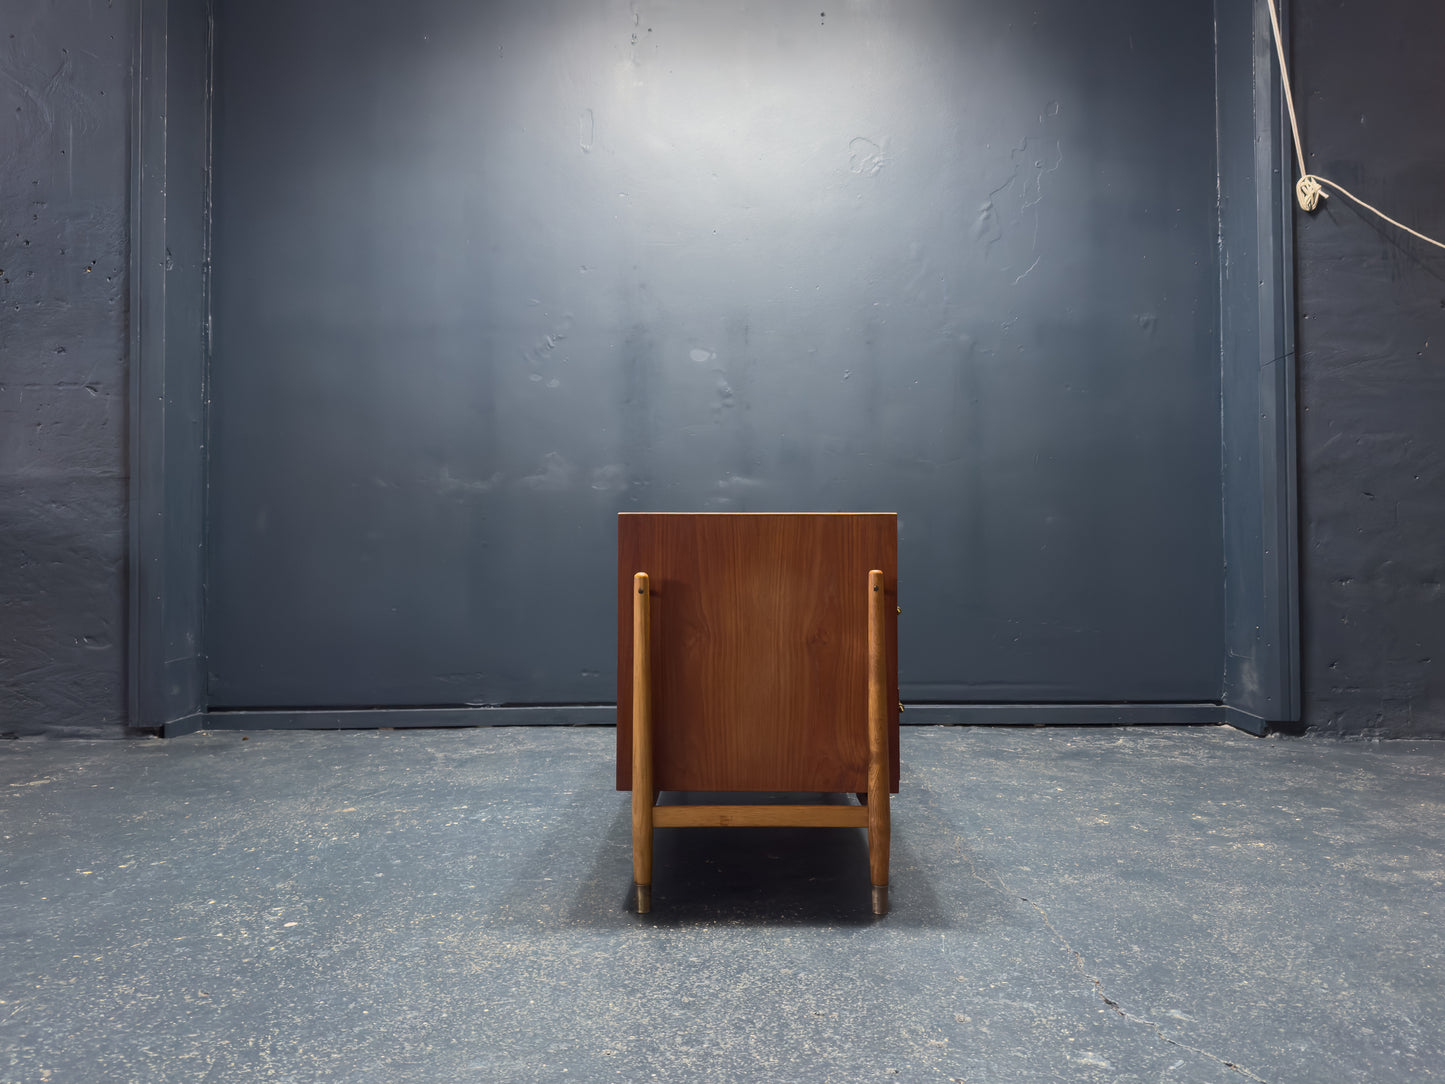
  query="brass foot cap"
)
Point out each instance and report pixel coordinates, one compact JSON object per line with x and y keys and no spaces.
{"x":644,"y":898}
{"x":880,"y":899}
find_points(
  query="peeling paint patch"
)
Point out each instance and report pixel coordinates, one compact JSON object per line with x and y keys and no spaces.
{"x":865,"y":157}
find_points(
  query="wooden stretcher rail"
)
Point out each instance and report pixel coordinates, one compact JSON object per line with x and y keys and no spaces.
{"x":760,"y":816}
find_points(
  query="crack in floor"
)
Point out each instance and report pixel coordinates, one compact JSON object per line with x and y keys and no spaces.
{"x":1093,"y":979}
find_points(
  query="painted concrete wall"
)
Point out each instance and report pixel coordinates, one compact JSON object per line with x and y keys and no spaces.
{"x":486,"y":275}
{"x":64,"y":181}
{"x":1372,"y":369}
{"x":1370,"y":337}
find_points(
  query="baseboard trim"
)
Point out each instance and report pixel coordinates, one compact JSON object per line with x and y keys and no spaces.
{"x":1246,"y":721}
{"x":918,"y":714}
{"x":188,"y":724}
{"x":1132,"y":714}
{"x":397,"y":718}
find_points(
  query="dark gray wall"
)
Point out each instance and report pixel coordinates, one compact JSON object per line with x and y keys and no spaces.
{"x":1372,"y":449}
{"x":487,"y":274}
{"x":64,"y":169}
{"x":1372,"y":369}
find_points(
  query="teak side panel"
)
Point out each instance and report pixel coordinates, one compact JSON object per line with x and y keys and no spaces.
{"x":759,"y":647}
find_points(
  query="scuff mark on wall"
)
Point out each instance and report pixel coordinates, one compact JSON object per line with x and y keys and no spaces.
{"x":865,"y":157}
{"x":554,"y":475}
{"x":1010,"y":213}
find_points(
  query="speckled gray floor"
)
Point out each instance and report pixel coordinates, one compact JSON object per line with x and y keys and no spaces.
{"x":1163,"y":905}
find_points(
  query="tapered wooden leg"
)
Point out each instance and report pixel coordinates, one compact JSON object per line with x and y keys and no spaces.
{"x":643,"y":796}
{"x":878,"y":781}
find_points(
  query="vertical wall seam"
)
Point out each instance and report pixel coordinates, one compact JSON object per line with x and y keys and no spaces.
{"x":147,"y":307}
{"x":207,"y":197}
{"x":1219,"y":255}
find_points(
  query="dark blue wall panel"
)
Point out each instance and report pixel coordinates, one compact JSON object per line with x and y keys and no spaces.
{"x":170,"y":275}
{"x":1261,"y":681}
{"x":487,"y":274}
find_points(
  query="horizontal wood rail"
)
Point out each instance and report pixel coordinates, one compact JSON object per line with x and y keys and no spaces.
{"x":760,"y":816}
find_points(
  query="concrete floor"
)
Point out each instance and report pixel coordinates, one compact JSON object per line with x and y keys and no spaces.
{"x":1164,"y":905}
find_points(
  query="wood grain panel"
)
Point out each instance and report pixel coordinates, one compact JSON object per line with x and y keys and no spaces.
{"x":759,"y":647}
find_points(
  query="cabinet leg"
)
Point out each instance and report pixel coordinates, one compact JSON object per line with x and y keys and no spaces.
{"x":878,"y":781}
{"x":643,"y":795}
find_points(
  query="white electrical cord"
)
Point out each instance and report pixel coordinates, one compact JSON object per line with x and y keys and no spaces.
{"x":1309,"y":189}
